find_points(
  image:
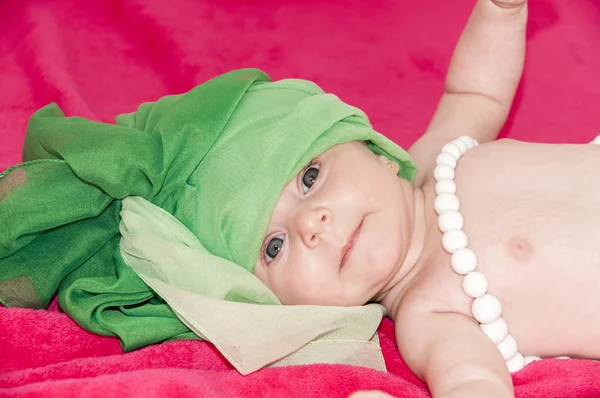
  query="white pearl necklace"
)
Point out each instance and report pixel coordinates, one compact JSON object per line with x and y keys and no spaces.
{"x":486,"y":308}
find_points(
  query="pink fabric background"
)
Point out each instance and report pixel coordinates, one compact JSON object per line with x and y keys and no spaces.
{"x":100,"y":58}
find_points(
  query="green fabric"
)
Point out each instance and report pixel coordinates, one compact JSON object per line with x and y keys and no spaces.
{"x":216,"y":157}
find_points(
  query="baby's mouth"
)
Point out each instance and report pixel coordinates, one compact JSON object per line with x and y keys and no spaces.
{"x":347,"y":249}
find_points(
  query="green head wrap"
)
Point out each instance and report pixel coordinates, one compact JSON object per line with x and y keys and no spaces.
{"x":216,"y":158}
{"x":275,"y":131}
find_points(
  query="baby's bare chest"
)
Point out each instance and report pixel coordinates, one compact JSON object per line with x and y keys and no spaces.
{"x":532,"y":216}
{"x":533,"y":207}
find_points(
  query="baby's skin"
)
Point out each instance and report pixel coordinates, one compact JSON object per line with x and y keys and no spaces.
{"x":529,"y":217}
{"x":347,"y":231}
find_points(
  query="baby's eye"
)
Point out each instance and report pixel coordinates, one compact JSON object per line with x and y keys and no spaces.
{"x":310,"y":177}
{"x":273,"y":248}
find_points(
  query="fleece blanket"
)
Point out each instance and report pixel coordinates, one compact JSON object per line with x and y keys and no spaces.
{"x":98,"y":58}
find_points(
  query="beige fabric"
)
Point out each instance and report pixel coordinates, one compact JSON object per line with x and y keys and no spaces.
{"x":250,"y":336}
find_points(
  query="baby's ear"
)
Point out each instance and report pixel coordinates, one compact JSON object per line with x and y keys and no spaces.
{"x":393,"y":166}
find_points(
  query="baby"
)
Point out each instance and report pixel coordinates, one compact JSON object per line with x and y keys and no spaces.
{"x":463,"y":283}
{"x":346,"y":231}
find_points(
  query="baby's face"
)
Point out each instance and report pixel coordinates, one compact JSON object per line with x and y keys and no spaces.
{"x":339,"y":230}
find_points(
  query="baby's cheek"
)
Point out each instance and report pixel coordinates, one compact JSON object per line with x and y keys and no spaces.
{"x":288,"y":290}
{"x":303,"y":292}
{"x":382,"y":263}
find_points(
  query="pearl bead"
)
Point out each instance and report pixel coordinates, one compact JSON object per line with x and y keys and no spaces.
{"x":508,"y":347}
{"x":496,"y":331}
{"x":446,"y":158}
{"x":450,"y":220}
{"x":516,"y":363}
{"x":443,"y":172}
{"x":486,"y":309}
{"x":463,"y":147}
{"x":475,"y":284}
{"x":463,"y":261}
{"x":467,"y":140}
{"x":531,"y":358}
{"x":596,"y":140}
{"x":445,"y":202}
{"x":454,"y":240}
{"x":453,"y":150}
{"x":445,"y":186}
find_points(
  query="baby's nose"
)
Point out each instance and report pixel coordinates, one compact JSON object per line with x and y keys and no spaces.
{"x":312,"y":223}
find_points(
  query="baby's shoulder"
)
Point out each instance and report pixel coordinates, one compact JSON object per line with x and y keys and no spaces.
{"x":435,"y":290}
{"x":500,"y":147}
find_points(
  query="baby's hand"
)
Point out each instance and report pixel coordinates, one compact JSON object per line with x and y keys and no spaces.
{"x":509,"y":3}
{"x":370,"y":394}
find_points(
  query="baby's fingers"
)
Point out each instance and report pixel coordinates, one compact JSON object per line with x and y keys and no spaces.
{"x":509,"y":3}
{"x":370,"y":394}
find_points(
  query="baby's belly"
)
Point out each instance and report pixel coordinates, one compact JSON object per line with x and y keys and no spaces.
{"x":534,"y":225}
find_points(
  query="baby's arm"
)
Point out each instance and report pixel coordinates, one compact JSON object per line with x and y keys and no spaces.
{"x":452,"y":355}
{"x":481,"y":82}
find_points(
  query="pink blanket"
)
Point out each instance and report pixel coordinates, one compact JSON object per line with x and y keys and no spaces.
{"x":99,"y":58}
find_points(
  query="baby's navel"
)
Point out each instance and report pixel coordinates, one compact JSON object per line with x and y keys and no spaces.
{"x":519,"y":248}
